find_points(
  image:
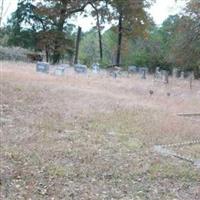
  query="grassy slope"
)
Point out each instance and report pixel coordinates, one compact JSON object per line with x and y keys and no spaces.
{"x":77,"y":137}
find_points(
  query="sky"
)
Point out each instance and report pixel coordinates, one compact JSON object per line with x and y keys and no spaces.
{"x":159,"y":11}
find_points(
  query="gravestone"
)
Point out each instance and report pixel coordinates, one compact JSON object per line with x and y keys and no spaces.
{"x":187,"y":74}
{"x":81,"y":69}
{"x":182,"y":75}
{"x":191,"y":77}
{"x":143,"y":72}
{"x":123,"y":73}
{"x":165,"y":76}
{"x":141,"y":69}
{"x":157,"y":69}
{"x":132,"y":69}
{"x":95,"y":68}
{"x":42,"y":67}
{"x":158,"y":74}
{"x":114,"y":74}
{"x":114,"y":71}
{"x":176,"y":73}
{"x":60,"y":71}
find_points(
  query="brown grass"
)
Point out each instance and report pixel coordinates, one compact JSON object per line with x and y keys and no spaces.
{"x":91,"y":137}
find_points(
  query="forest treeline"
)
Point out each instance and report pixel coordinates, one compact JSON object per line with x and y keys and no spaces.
{"x":132,"y":39}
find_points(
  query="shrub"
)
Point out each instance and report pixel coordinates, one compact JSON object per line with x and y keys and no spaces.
{"x":13,"y":53}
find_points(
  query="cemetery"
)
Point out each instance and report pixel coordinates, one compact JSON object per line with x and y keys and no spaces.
{"x":99,"y":100}
{"x":81,"y":126}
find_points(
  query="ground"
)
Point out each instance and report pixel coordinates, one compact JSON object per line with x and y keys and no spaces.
{"x":92,"y":136}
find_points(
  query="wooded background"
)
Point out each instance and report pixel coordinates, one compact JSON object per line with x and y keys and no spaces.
{"x":133,"y":38}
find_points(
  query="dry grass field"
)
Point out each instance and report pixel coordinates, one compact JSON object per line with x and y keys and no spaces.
{"x":91,"y":137}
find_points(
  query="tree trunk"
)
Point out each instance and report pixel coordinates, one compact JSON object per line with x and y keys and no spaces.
{"x":99,"y":32}
{"x":197,"y":72}
{"x":100,"y":37}
{"x":118,"y":60}
{"x":77,"y":45}
{"x":47,"y":53}
{"x":57,"y":53}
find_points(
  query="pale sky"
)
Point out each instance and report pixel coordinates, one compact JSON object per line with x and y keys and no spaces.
{"x":159,"y":11}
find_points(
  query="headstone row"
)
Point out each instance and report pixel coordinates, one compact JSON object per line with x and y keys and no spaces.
{"x":60,"y":69}
{"x":177,"y":73}
{"x":44,"y":67}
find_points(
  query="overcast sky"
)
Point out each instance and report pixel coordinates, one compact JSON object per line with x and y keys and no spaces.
{"x":159,"y":11}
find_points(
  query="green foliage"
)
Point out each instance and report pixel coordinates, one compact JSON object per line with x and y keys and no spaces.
{"x":185,"y":46}
{"x":44,"y":27}
{"x":109,"y":46}
{"x":4,"y":36}
{"x":141,"y":52}
{"x":89,"y":48}
{"x":23,"y":38}
{"x":89,"y":51}
{"x":32,"y":27}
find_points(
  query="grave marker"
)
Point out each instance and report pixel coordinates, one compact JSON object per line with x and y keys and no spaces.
{"x":176,"y":73}
{"x":165,"y":76}
{"x":158,"y":74}
{"x":95,"y":68}
{"x":144,"y":74}
{"x":182,"y":75}
{"x":132,"y":69}
{"x":191,"y":77}
{"x":42,"y":67}
{"x":60,"y":71}
{"x":81,"y":69}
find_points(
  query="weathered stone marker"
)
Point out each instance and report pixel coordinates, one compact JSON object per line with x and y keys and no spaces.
{"x":60,"y":71}
{"x":132,"y":69}
{"x":165,"y":76}
{"x":182,"y":75}
{"x":191,"y":79}
{"x":42,"y":67}
{"x":158,"y":74}
{"x":81,"y":69}
{"x":114,"y":74}
{"x":95,"y":68}
{"x":176,"y":73}
{"x":143,"y":72}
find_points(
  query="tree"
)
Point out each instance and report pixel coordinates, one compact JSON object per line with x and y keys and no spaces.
{"x":97,"y":13}
{"x":185,"y":49}
{"x":4,"y":36}
{"x":77,"y":44}
{"x":58,"y":11}
{"x":18,"y":35}
{"x":132,"y":20}
{"x":89,"y":48}
{"x":40,"y":30}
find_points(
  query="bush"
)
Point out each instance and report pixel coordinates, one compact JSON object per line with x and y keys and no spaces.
{"x":13,"y":53}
